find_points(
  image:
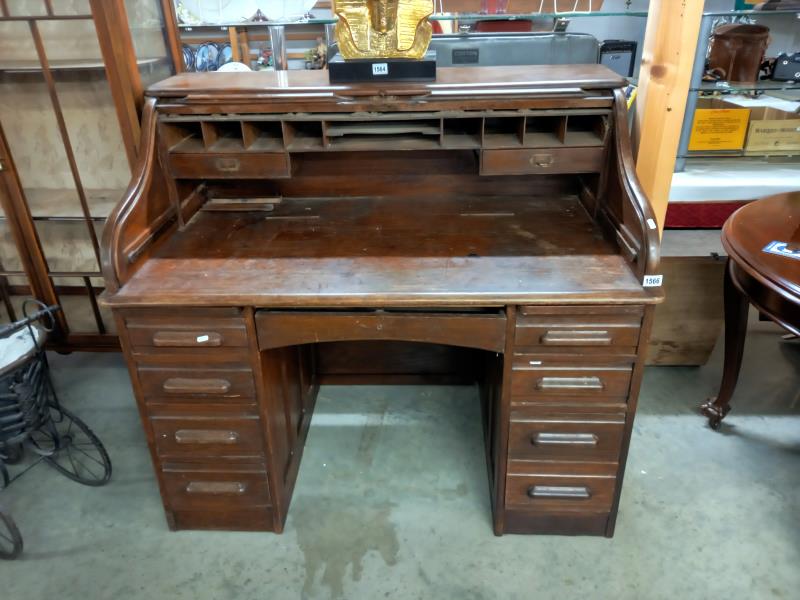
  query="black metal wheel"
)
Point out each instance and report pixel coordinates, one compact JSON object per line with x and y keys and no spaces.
{"x":13,"y":453}
{"x":10,"y":537}
{"x":77,"y":451}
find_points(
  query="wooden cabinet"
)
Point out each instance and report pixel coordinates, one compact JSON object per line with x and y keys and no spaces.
{"x":280,"y":233}
{"x":71,"y":92}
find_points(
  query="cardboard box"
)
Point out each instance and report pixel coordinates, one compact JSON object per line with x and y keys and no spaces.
{"x":718,"y":126}
{"x":773,"y":131}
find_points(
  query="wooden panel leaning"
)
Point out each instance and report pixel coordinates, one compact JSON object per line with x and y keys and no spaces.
{"x":280,"y":232}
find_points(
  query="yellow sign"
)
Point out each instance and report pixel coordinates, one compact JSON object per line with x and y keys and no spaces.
{"x":719,"y":129}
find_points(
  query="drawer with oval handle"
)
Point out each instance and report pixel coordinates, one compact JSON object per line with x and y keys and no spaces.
{"x":566,"y":437}
{"x":195,"y":383}
{"x":201,"y":487}
{"x":268,"y":165}
{"x":561,"y":487}
{"x":541,"y":377}
{"x":541,"y":160}
{"x":610,"y":329}
{"x":200,"y":335}
{"x":185,"y":437}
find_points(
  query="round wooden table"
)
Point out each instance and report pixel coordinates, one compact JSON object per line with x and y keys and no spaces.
{"x":762,"y":240}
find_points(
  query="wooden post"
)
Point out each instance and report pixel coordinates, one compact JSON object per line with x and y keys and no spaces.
{"x":670,"y":43}
{"x":234,"y":40}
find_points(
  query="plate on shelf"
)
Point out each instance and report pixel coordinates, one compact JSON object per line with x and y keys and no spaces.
{"x":225,"y":55}
{"x":205,"y":58}
{"x":188,"y":58}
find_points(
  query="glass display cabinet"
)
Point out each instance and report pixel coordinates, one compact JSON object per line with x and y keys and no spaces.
{"x":287,"y":38}
{"x":742,"y":121}
{"x":72,"y":74}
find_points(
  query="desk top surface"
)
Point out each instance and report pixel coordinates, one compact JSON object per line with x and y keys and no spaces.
{"x":448,"y":80}
{"x":387,"y":252}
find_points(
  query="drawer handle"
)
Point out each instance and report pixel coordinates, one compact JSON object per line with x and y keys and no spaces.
{"x":567,"y":439}
{"x":577,"y":337}
{"x":186,"y":339}
{"x":206,"y":436}
{"x":184,"y":385}
{"x":228,"y":165}
{"x":559,"y":491}
{"x":216,"y":488}
{"x":542,"y":160}
{"x":570,"y":383}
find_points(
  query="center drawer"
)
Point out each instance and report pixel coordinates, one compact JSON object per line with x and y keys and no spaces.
{"x":189,"y":437}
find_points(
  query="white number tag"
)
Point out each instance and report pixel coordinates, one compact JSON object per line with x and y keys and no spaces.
{"x":653,"y":280}
{"x":380,"y":69}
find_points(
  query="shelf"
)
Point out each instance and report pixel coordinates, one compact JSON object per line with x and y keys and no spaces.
{"x":257,"y":24}
{"x":64,"y":205}
{"x":751,"y":13}
{"x":534,"y":16}
{"x":721,"y":179}
{"x":439,"y":17}
{"x":89,"y":64}
{"x":724,"y":86}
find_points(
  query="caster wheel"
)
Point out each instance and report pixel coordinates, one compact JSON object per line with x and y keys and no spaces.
{"x":10,"y":538}
{"x":13,"y":454}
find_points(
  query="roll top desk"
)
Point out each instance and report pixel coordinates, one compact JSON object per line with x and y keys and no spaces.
{"x":281,"y":232}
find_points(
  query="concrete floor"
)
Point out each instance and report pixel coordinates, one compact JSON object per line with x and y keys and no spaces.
{"x":392,"y":502}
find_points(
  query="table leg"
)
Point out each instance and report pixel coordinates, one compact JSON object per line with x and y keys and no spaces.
{"x":736,"y":307}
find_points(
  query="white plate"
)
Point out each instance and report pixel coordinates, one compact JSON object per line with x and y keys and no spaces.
{"x":277,"y":10}
{"x":218,"y":11}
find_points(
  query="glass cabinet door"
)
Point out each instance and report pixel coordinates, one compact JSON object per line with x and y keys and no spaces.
{"x":69,"y":110}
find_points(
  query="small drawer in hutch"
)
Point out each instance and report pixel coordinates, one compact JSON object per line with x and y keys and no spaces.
{"x":230,"y":166}
{"x":541,"y":161}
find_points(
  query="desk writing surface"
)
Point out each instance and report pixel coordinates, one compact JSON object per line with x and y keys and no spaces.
{"x":388,"y":252}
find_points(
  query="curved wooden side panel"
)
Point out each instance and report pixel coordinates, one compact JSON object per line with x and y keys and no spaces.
{"x":626,"y":204}
{"x":143,"y":213}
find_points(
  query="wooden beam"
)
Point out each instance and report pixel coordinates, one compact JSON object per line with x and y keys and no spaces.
{"x":234,"y":41}
{"x":173,"y":36}
{"x":122,"y":72}
{"x":670,"y":42}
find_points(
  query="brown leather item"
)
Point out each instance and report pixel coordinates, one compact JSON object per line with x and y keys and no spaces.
{"x":737,"y":51}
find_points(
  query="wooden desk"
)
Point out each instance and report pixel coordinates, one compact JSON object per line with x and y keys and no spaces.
{"x":769,"y":282}
{"x":281,"y":233}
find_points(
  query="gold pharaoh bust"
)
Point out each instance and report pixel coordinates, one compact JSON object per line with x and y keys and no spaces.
{"x":383,"y":28}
